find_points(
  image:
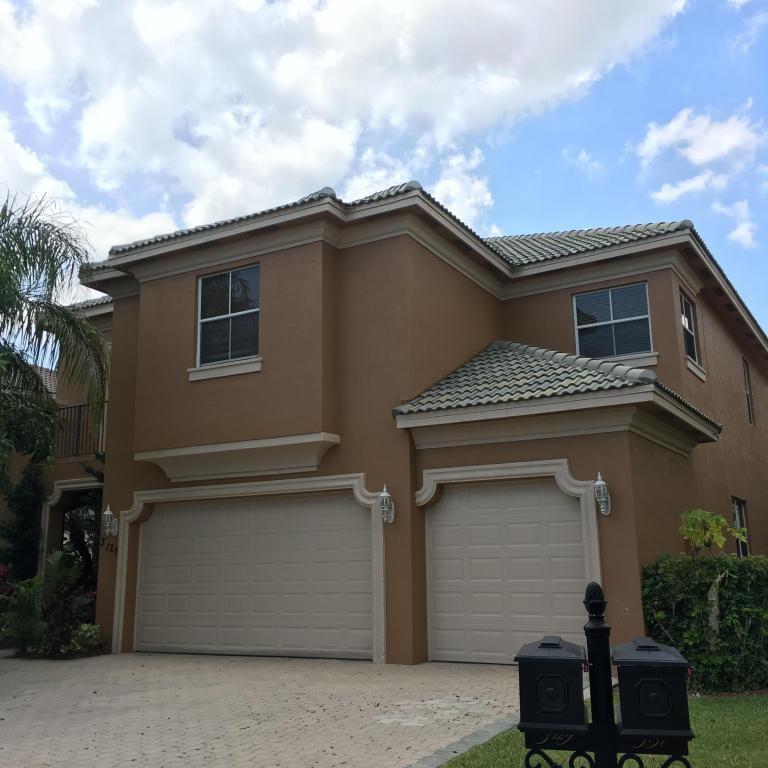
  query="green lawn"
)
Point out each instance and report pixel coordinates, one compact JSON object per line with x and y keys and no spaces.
{"x":731,"y":732}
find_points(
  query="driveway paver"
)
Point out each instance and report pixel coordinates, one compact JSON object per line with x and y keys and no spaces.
{"x":169,"y":711}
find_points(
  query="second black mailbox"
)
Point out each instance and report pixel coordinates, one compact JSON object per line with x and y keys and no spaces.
{"x":551,"y":686}
{"x":652,"y":690}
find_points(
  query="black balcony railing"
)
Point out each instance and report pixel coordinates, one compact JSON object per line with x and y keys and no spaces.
{"x":81,"y":430}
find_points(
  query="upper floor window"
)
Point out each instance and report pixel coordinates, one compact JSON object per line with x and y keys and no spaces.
{"x":740,"y":521}
{"x":613,"y":322}
{"x":688,"y":316}
{"x":228,"y":316}
{"x":748,"y":392}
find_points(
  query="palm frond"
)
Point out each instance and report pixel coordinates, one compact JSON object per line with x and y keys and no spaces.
{"x":82,"y":352}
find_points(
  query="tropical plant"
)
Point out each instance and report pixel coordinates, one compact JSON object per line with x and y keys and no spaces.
{"x":42,"y":252}
{"x":701,"y":528}
{"x":21,"y":530}
{"x":44,"y":614}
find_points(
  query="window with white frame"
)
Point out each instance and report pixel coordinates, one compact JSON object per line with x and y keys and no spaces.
{"x":740,"y":521}
{"x":613,"y":322}
{"x":228,"y":316}
{"x":688,"y":316}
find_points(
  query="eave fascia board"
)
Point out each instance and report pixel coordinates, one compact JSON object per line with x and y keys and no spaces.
{"x":225,"y":231}
{"x":326,"y":207}
{"x":728,"y":289}
{"x":630,"y":265}
{"x":580,"y":401}
{"x":648,"y":394}
{"x":602,"y":254}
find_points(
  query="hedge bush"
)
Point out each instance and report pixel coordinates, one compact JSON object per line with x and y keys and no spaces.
{"x":726,"y":642}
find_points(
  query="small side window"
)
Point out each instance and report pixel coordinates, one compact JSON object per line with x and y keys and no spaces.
{"x":688,"y":316}
{"x":748,"y":392}
{"x":739,"y":507}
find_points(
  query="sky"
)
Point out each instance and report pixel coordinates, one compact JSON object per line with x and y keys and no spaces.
{"x":140,"y":117}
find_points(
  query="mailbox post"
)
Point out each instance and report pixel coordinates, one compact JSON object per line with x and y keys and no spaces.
{"x":652,"y":691}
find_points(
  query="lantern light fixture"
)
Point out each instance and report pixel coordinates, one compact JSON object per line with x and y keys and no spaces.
{"x":109,"y":522}
{"x":386,"y":506}
{"x":602,"y":495}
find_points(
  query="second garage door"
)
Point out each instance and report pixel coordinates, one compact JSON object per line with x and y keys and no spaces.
{"x":506,"y":565}
{"x":271,"y":576}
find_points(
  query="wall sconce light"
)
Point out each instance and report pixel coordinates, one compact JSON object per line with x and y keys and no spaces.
{"x":602,"y":495}
{"x":109,"y":522}
{"x":386,"y":506}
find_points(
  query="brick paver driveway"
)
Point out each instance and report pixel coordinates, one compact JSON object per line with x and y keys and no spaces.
{"x":166,"y":711}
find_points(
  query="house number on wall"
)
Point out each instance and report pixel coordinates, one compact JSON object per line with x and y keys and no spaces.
{"x":109,"y":547}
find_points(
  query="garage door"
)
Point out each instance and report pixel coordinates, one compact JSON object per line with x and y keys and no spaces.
{"x":506,"y":566}
{"x":287,"y":576}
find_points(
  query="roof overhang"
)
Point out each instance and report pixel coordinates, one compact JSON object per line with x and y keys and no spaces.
{"x":647,"y":408}
{"x":318,"y":210}
{"x":683,"y":239}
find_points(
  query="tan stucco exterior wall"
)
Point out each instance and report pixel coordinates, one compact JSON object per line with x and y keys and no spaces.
{"x":346,"y":335}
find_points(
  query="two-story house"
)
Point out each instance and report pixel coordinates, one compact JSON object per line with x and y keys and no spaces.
{"x":272,"y":373}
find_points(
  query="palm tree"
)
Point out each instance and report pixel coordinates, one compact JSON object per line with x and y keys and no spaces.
{"x":42,"y":253}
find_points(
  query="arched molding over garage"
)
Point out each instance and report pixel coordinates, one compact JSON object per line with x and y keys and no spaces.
{"x":351,"y":482}
{"x":557,"y":469}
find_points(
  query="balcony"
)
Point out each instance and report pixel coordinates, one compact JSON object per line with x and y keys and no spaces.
{"x":82,"y":430}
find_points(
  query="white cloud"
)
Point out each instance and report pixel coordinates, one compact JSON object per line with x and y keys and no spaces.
{"x":668,"y":192}
{"x":737,"y":3}
{"x":239,"y":104}
{"x":744,"y":232}
{"x":700,"y":139}
{"x":461,"y":190}
{"x":24,"y":173}
{"x":583,"y":160}
{"x":751,"y":33}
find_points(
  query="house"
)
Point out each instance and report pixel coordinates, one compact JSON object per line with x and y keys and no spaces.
{"x":273,"y":373}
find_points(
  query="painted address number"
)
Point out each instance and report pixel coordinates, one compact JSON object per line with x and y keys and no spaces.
{"x":108,"y":546}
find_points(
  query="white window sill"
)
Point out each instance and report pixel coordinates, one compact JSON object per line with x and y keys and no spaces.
{"x":637,"y":361}
{"x":695,"y":368}
{"x":228,"y":368}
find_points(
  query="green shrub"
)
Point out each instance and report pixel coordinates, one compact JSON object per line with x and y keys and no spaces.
{"x":21,"y":531}
{"x":714,"y":610}
{"x":85,"y":639}
{"x":45,"y":613}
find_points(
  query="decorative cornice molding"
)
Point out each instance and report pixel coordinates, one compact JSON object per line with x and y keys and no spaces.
{"x":630,"y":418}
{"x":245,"y":458}
{"x":558,"y":469}
{"x":577,"y":273}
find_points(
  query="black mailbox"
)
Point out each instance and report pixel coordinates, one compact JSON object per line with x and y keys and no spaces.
{"x":653,"y":690}
{"x":551,"y":686}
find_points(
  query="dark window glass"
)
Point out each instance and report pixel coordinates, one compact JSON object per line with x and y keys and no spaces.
{"x":245,"y":335}
{"x":689,"y":327}
{"x":604,"y":327}
{"x":740,"y":521}
{"x":214,"y":296}
{"x":214,"y":341}
{"x":593,"y":308}
{"x":596,"y":341}
{"x":245,"y":289}
{"x":629,"y":301}
{"x":632,"y":336}
{"x":748,"y":391}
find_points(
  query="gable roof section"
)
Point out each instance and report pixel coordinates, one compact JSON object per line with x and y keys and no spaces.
{"x":520,"y":250}
{"x":506,"y":372}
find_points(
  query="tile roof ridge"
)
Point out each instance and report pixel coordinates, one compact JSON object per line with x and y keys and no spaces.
{"x":612,"y":368}
{"x":670,"y":226}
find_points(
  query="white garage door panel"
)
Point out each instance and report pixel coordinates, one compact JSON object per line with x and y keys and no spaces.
{"x":257,"y":576}
{"x":506,"y":565}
